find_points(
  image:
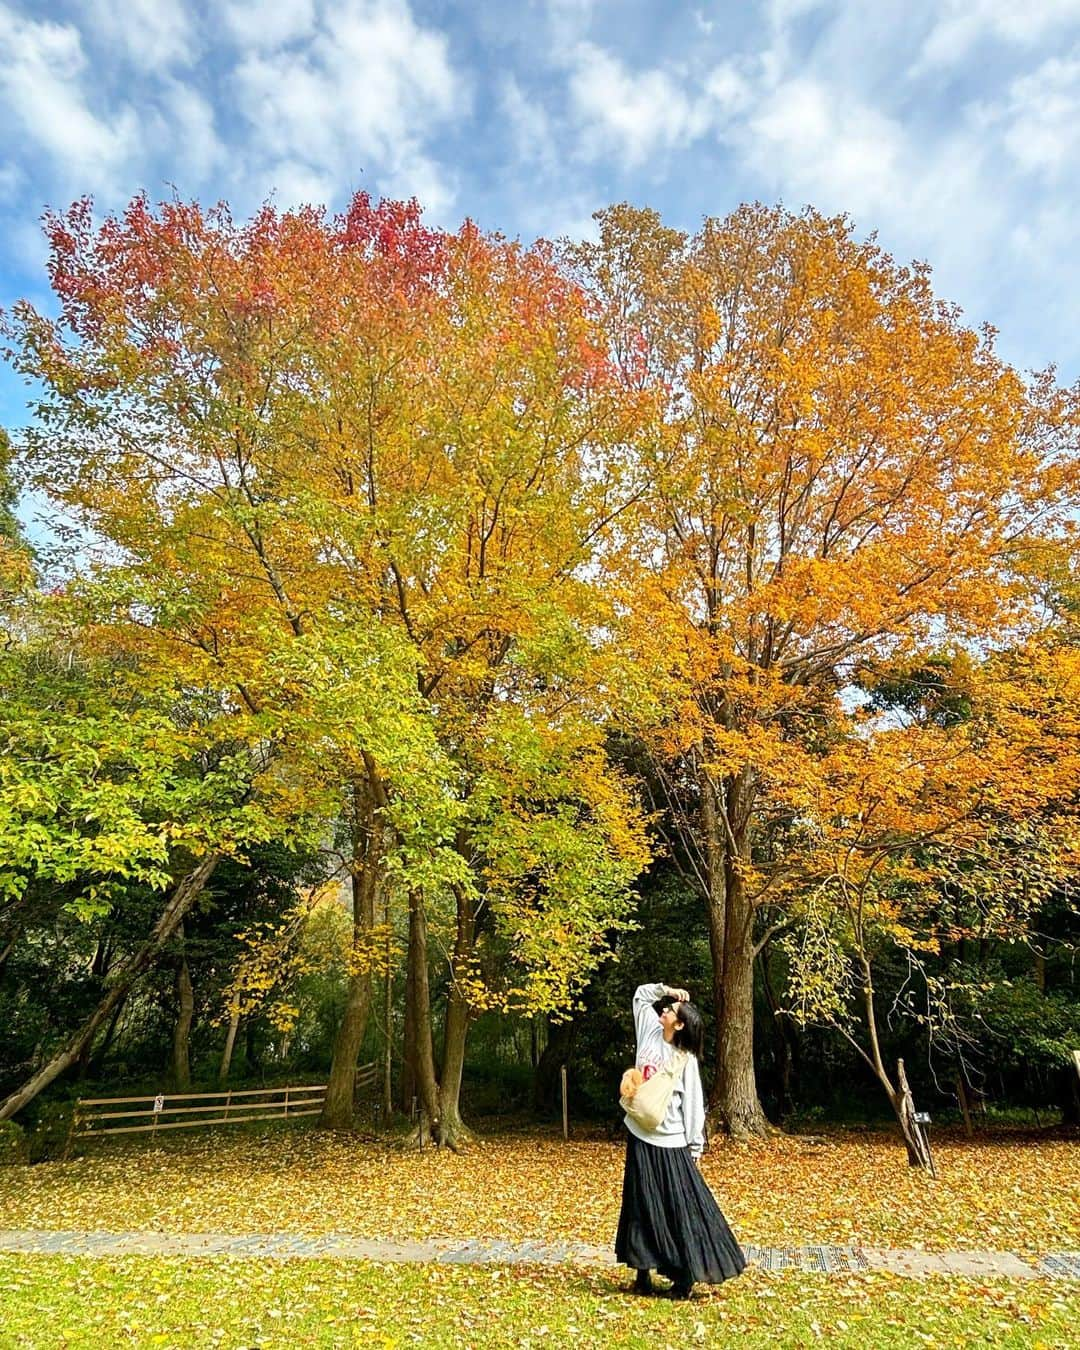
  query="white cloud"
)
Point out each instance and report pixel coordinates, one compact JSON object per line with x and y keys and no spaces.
{"x":363,"y":96}
{"x":727,"y":88}
{"x":531,"y":128}
{"x":569,"y":20}
{"x":12,"y":180}
{"x":1042,"y":118}
{"x":638,"y":116}
{"x":294,"y":183}
{"x":818,"y":142}
{"x":961,"y":24}
{"x":151,"y":34}
{"x":186,"y":129}
{"x":979,"y":175}
{"x":44,"y":83}
{"x":272,"y":23}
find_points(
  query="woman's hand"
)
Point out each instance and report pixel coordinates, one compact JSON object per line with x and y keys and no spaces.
{"x":679,"y":994}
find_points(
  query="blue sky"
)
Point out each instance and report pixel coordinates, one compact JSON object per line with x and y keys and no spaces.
{"x":951,"y":127}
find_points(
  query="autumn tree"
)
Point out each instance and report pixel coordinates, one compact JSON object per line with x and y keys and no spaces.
{"x":349,"y":475}
{"x":163,"y":427}
{"x":957,"y":824}
{"x":107,"y":788}
{"x":840,"y":472}
{"x":472,"y":435}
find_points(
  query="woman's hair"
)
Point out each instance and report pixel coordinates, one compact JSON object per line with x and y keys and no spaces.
{"x":691,"y":1035}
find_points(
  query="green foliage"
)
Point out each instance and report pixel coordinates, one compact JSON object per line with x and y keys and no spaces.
{"x":10,"y":529}
{"x":561,"y":842}
{"x":1025,"y":1026}
{"x":101,"y":787}
{"x":14,"y":1145}
{"x":49,"y":1133}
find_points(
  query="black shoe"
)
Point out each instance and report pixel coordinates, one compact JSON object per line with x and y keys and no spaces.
{"x":643,"y":1284}
{"x":681,"y":1290}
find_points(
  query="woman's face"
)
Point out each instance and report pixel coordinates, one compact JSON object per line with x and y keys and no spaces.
{"x":669,"y":1020}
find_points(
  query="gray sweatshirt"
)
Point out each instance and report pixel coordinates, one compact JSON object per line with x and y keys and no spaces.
{"x":684,"y":1124}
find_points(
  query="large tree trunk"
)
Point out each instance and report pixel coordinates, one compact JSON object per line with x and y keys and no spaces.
{"x":185,"y":1003}
{"x":735,"y":1090}
{"x":388,"y":1018}
{"x":715,"y":899}
{"x":408,"y":1047}
{"x":452,"y":1131}
{"x":337,"y":1112}
{"x":734,"y":1103}
{"x":180,"y":901}
{"x":423,"y":1061}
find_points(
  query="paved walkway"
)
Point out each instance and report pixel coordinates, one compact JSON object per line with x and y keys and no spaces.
{"x":823,"y":1259}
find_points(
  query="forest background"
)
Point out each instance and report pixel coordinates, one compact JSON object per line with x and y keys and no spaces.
{"x":447,"y":635}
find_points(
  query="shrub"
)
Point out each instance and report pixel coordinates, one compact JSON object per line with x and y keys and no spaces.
{"x":14,"y":1146}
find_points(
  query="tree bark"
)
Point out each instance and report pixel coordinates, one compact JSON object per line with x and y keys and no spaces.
{"x":918,"y":1150}
{"x":185,"y":1002}
{"x":388,"y":1019}
{"x":408,"y":1048}
{"x":734,"y":1104}
{"x":337,"y":1112}
{"x":965,"y":1104}
{"x":452,"y":1131}
{"x":230,"y":1042}
{"x":182,"y":897}
{"x":423,"y":1063}
{"x":98,"y":969}
{"x":715,"y":901}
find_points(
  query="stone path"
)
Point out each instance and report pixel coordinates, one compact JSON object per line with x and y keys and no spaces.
{"x":822,"y":1259}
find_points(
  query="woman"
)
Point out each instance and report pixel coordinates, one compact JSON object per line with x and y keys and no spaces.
{"x":669,"y":1220}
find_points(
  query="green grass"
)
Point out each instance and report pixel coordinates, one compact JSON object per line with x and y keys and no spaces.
{"x":51,"y":1301}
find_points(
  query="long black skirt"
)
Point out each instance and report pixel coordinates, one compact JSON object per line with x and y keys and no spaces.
{"x":670,"y":1221}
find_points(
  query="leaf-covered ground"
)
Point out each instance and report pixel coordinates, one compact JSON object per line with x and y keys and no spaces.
{"x":1009,"y":1191}
{"x":64,"y":1301}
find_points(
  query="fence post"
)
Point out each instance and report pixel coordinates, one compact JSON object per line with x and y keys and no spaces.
{"x":228,"y":1100}
{"x":565,"y":1117}
{"x":286,"y":1103}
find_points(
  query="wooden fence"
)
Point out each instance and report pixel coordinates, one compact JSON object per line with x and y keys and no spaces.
{"x":171,"y":1111}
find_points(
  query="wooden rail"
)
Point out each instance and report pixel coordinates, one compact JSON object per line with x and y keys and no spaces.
{"x":215,"y":1108}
